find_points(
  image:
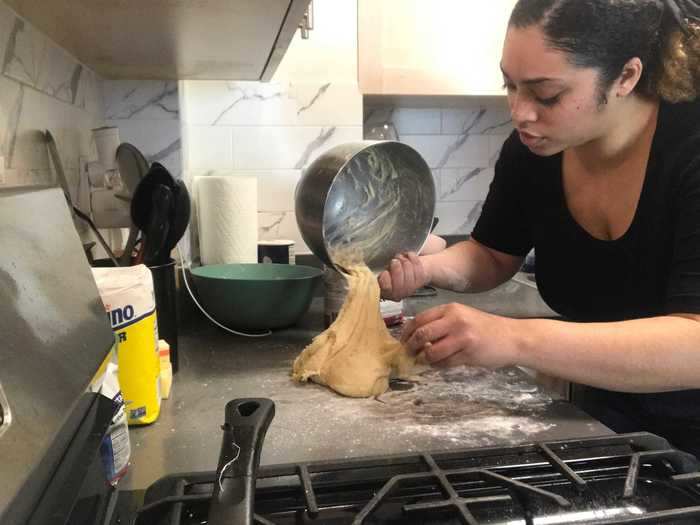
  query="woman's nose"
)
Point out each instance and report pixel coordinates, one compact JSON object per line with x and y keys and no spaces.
{"x":522,"y":110}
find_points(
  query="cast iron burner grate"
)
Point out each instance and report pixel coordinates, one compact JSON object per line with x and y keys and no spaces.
{"x":631,"y":478}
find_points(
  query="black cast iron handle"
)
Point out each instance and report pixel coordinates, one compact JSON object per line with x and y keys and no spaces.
{"x":246,"y":423}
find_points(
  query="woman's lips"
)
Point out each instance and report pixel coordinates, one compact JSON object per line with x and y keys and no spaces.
{"x":529,"y":139}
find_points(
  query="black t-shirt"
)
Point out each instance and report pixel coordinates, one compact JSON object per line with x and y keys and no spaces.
{"x":653,"y":269}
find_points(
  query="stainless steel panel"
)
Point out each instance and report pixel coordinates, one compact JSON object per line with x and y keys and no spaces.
{"x":54,"y":333}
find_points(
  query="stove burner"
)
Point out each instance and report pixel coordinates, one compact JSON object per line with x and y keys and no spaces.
{"x":633,"y":478}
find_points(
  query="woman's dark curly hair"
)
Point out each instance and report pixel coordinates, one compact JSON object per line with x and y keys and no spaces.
{"x":606,"y":34}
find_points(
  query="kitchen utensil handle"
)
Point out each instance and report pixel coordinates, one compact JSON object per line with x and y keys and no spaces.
{"x":125,"y":259}
{"x":247,"y":421}
{"x":158,"y":226}
{"x":99,"y":237}
{"x":63,"y":182}
{"x":180,"y":216}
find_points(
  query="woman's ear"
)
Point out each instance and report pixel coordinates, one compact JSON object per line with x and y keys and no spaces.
{"x":629,"y":78}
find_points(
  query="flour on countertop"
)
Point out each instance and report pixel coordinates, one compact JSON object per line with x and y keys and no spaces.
{"x":460,"y":407}
{"x":469,"y":406}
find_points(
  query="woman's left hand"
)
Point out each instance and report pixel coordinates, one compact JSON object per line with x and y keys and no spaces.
{"x":455,"y":334}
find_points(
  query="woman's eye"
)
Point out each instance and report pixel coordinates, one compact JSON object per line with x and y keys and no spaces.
{"x":548,"y":102}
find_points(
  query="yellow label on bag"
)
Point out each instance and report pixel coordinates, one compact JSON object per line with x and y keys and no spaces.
{"x":127,"y":294}
{"x":139,"y":368}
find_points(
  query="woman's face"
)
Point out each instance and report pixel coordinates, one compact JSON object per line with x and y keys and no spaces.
{"x":554,"y":104}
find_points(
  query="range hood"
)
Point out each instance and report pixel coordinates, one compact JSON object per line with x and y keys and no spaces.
{"x":170,"y":39}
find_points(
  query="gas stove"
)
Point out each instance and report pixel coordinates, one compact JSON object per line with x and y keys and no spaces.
{"x":631,"y":478}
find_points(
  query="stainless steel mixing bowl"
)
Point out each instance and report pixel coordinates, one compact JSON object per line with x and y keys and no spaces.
{"x":370,"y":198}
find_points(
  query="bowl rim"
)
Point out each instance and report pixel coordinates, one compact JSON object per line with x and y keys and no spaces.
{"x":314,"y":272}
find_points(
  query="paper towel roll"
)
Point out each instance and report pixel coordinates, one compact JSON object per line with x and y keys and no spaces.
{"x":227,"y":211}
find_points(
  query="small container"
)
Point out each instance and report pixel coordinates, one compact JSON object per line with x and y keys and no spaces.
{"x":115,"y":449}
{"x":280,"y":251}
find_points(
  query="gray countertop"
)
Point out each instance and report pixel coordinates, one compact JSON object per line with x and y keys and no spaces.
{"x":457,"y":408}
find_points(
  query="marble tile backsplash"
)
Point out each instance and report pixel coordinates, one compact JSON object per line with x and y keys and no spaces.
{"x":147,"y":114}
{"x":270,"y":130}
{"x":459,"y":143}
{"x":42,"y":87}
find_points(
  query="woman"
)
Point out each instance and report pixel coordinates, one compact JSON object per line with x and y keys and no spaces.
{"x":602,"y":177}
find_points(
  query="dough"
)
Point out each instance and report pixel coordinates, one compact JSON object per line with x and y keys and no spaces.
{"x":356,"y":355}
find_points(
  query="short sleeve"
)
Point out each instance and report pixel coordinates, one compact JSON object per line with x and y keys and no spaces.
{"x":503,"y":224}
{"x":683,"y":291}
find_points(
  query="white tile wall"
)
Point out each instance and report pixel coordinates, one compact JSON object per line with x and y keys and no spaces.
{"x":32,"y":59}
{"x":418,"y":121}
{"x":457,"y":217}
{"x":271,"y":130}
{"x":451,"y":151}
{"x":147,"y":114}
{"x":464,"y":184}
{"x":208,"y":148}
{"x":495,"y":120}
{"x":460,"y":144}
{"x":141,"y":100}
{"x":280,"y":225}
{"x":256,"y":104}
{"x":282,"y":147}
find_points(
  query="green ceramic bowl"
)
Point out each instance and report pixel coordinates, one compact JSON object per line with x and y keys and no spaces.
{"x":256,"y":296}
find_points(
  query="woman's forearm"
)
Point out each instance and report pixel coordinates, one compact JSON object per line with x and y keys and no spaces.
{"x":644,"y":355}
{"x":469,"y":267}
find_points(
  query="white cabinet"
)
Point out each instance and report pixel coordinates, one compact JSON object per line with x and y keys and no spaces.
{"x":170,"y":39}
{"x":431,"y":47}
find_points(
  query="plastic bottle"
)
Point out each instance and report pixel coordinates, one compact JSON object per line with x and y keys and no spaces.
{"x":115,"y":449}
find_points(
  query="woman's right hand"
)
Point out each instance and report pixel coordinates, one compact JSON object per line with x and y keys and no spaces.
{"x":405,"y":274}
